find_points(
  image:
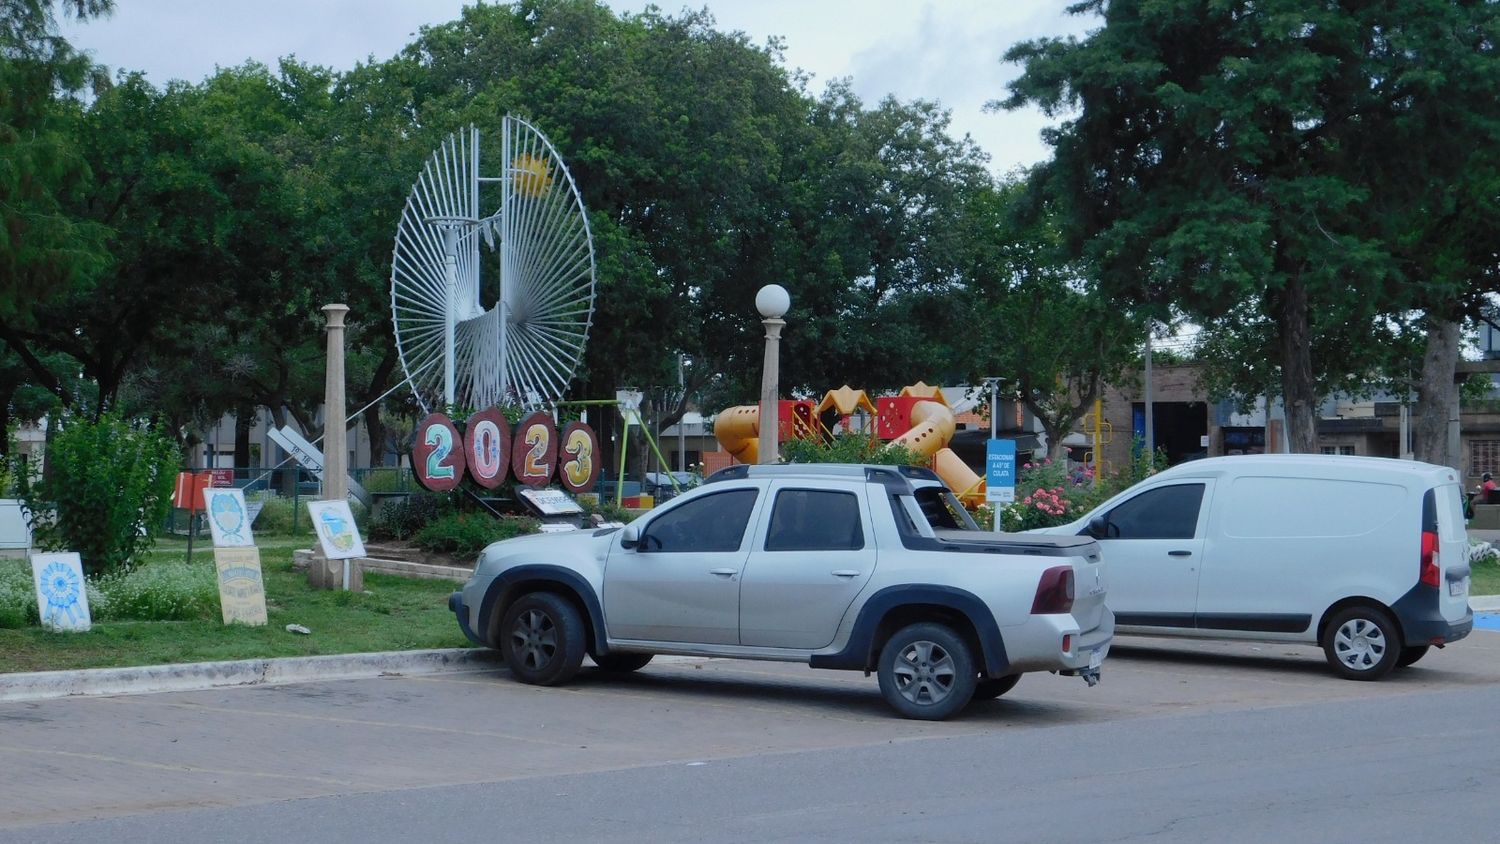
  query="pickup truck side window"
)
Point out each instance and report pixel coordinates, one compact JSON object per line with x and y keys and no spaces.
{"x":1167,"y":512}
{"x":708,"y":524}
{"x":815,"y":520}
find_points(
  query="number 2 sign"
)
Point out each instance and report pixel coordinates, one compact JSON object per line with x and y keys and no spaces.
{"x":437,"y":455}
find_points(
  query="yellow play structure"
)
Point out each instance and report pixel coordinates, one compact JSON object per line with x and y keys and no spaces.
{"x":919,"y":418}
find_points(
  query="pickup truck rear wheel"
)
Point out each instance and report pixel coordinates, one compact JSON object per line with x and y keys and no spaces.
{"x":926,"y":672}
{"x":622,"y":662}
{"x":542,"y":639}
{"x":989,"y":689}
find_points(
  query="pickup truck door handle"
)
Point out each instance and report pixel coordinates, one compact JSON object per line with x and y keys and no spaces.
{"x":724,"y":572}
{"x":846,"y":573}
{"x":1179,"y":553}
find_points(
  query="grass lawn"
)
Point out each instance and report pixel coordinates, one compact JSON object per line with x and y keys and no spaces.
{"x":393,"y":613}
{"x":1486,"y":578}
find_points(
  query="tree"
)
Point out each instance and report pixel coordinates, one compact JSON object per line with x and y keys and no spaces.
{"x":1228,"y":152}
{"x":1038,"y":319}
{"x":42,"y":247}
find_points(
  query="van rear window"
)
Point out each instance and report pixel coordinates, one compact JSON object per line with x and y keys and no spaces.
{"x":1289,"y":508}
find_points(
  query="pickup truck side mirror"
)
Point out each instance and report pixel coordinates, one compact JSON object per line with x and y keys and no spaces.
{"x":630,"y":536}
{"x":1098,"y":527}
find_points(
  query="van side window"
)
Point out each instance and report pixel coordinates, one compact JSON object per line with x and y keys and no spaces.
{"x":815,"y":520}
{"x":1167,"y":512}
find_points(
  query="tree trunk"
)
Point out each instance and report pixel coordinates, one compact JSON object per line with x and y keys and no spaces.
{"x":244,"y":418}
{"x":1298,"y":390}
{"x":1437,"y":395}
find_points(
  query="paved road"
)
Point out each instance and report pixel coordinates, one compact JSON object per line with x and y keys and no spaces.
{"x":1196,"y":741}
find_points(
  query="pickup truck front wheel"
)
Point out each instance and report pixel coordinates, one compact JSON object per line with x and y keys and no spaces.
{"x":542,"y":639}
{"x":927,"y":672}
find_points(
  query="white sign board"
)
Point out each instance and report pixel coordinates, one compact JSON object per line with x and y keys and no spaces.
{"x":557,"y":528}
{"x":550,"y":502}
{"x":242,"y":590}
{"x":336,"y":529}
{"x":228,"y":518}
{"x":62,"y":600}
{"x":15,"y":531}
{"x":630,"y":405}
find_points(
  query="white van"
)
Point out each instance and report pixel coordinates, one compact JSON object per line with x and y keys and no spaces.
{"x":1365,"y":556}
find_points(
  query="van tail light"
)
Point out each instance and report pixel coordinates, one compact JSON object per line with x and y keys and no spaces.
{"x":1429,"y":574}
{"x":1054,"y":593}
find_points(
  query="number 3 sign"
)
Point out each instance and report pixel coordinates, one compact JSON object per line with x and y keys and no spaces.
{"x":441,"y":455}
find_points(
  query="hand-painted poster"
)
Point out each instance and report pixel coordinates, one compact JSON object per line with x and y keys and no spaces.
{"x":242,"y":591}
{"x":336,"y":529}
{"x":228,"y":518}
{"x":62,"y":598}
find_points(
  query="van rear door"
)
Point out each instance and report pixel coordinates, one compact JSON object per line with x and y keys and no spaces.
{"x":1453,"y":552}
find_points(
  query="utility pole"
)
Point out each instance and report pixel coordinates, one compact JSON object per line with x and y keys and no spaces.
{"x":1150,"y":427}
{"x":681,"y":423}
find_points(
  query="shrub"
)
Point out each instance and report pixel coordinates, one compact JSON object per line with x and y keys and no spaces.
{"x":403,"y":519}
{"x":106,"y":488}
{"x":466,"y":534}
{"x":17,"y":595}
{"x":158,"y":591}
{"x":278,"y":515}
{"x":388,"y":479}
{"x":849,"y":448}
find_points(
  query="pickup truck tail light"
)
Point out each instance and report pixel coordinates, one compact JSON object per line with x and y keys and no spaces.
{"x":1054,"y":592}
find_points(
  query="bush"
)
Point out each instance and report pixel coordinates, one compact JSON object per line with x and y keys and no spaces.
{"x":388,"y":479}
{"x":850,"y":448}
{"x":276,"y":517}
{"x":466,"y":534}
{"x":403,"y":519}
{"x":159,"y":591}
{"x":17,"y":595}
{"x":107,"y":487}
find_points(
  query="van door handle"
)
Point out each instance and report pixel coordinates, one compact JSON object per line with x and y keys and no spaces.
{"x":724,"y":572}
{"x":1179,"y":553}
{"x":845,"y":573}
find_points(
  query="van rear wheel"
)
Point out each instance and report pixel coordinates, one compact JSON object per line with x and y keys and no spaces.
{"x":1410,"y":655}
{"x":1361,"y":643}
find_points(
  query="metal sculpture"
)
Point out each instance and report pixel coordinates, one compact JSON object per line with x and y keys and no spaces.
{"x":475,"y":331}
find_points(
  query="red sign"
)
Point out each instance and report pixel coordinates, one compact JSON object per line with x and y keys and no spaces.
{"x":487,"y":447}
{"x":188,"y":493}
{"x":533,"y":455}
{"x":579,"y":453}
{"x":437,"y":454}
{"x":222,"y":478}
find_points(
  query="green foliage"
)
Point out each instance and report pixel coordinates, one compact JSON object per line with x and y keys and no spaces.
{"x":106,"y":489}
{"x":405,"y":518}
{"x":850,"y":448}
{"x":160,"y":590}
{"x":466,"y":534}
{"x":388,"y":479}
{"x":605,"y":508}
{"x":17,"y":595}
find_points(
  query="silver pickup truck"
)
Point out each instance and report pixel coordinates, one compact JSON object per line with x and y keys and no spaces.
{"x":868,"y":568}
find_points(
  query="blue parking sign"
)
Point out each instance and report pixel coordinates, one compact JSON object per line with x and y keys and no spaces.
{"x":1000,"y":470}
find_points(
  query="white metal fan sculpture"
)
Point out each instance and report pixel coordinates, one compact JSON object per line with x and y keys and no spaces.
{"x":515,"y":333}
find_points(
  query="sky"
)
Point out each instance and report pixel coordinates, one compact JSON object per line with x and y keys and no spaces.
{"x":944,"y":50}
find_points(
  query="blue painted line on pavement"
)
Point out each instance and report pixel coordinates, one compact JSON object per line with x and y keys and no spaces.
{"x":1487,"y":620}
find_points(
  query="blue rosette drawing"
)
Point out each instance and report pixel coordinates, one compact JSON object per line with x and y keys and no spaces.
{"x":61,"y":600}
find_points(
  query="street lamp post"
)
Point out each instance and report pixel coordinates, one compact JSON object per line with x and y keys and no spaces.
{"x":772,"y":301}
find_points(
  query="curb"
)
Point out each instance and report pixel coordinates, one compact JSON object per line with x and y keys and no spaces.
{"x":197,"y":676}
{"x":1484,"y":603}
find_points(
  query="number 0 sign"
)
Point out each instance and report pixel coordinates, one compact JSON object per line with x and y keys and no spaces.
{"x":487,"y":447}
{"x":437,"y":455}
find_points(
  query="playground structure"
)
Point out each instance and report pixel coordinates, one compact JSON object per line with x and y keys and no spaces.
{"x":919,"y":418}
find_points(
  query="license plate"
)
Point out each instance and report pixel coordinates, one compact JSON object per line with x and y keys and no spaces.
{"x":1458,"y":587}
{"x":1096,"y":659}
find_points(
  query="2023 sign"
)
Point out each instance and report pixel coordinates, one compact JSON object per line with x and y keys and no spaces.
{"x":487,"y":451}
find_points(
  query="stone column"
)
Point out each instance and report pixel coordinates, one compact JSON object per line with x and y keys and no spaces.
{"x":323,"y":573}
